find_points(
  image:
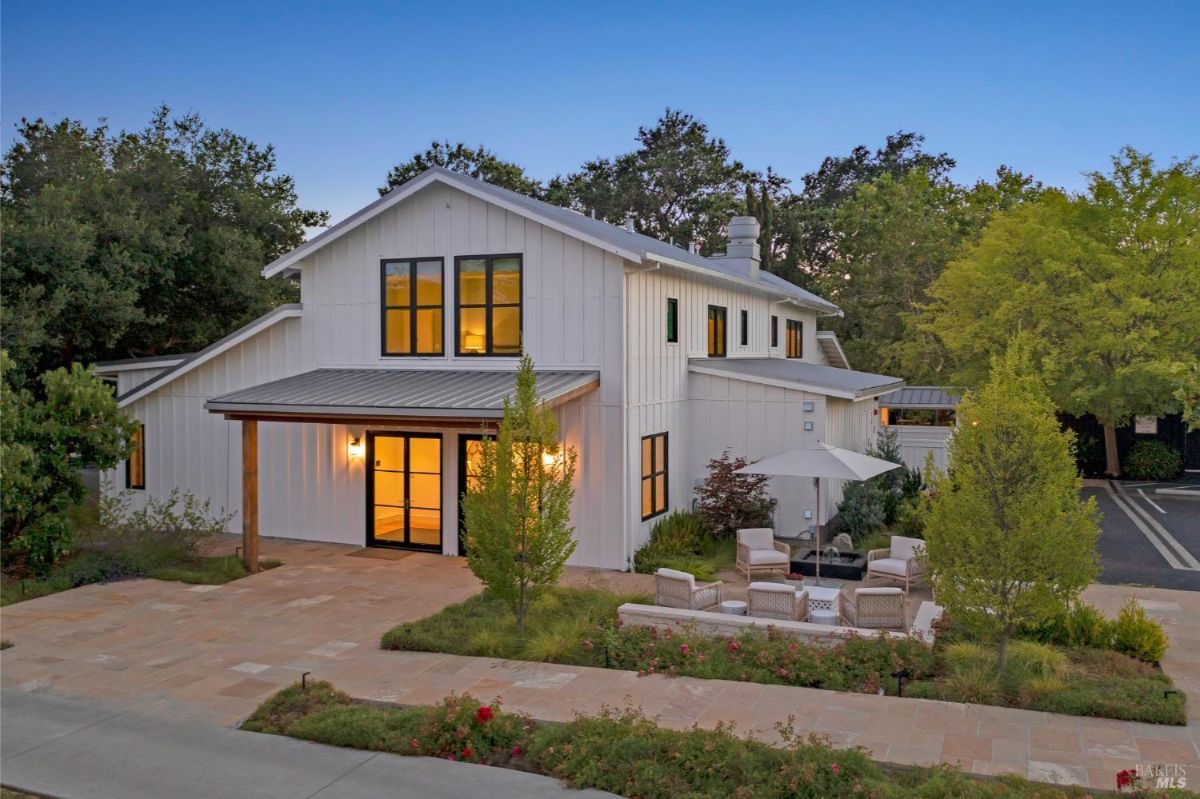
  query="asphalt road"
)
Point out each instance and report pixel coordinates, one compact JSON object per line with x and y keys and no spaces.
{"x":1140,"y":549}
{"x":71,"y":748}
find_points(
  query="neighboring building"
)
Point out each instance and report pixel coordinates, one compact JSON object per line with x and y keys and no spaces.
{"x":368,"y":398}
{"x":923,"y":417}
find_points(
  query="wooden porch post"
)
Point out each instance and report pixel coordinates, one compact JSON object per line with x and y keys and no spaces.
{"x":250,"y":495}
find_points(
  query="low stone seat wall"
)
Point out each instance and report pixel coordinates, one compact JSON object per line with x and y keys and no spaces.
{"x":722,"y":624}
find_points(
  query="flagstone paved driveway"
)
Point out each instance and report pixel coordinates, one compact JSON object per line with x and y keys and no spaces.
{"x":215,"y":652}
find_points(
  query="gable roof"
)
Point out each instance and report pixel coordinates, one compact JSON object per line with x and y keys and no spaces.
{"x":799,"y":375}
{"x":631,"y":246}
{"x":208,"y":353}
{"x":133,"y":364}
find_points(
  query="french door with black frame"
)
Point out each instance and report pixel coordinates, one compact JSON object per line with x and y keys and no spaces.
{"x":404,"y":490}
{"x":470,"y":450}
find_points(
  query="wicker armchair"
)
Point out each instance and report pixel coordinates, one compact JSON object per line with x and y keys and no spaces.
{"x":901,"y":561}
{"x":758,"y":551}
{"x":777,"y":601}
{"x":874,"y":608}
{"x":676,"y":589}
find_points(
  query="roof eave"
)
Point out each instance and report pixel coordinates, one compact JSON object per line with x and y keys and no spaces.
{"x":822,"y":309}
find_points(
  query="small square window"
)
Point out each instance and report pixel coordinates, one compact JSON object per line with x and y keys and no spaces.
{"x":808,"y":427}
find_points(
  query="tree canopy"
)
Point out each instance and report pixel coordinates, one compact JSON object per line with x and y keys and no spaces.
{"x":138,"y":243}
{"x":477,"y":162}
{"x":1107,"y":283}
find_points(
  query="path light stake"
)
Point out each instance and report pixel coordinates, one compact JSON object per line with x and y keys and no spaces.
{"x":304,"y":680}
{"x":901,"y":675}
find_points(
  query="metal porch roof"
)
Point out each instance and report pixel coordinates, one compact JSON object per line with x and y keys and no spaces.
{"x":798,"y":375}
{"x":396,"y":392}
{"x":920,"y":397}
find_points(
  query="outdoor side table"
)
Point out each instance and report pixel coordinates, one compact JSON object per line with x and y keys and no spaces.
{"x":823,"y":604}
{"x":733,"y":607}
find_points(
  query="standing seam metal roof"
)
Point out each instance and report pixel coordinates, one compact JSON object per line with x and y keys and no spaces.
{"x":802,"y":375}
{"x":920,"y":397}
{"x":428,"y":392}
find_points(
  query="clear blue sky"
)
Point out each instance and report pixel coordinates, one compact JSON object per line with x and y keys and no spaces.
{"x":345,"y":90}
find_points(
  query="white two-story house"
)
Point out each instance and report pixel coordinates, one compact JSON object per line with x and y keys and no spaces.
{"x":355,"y":416}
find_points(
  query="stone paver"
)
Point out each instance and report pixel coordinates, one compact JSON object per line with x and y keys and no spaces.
{"x":217,"y":653}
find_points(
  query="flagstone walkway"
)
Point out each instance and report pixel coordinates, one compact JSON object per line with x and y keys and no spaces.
{"x":217,"y":651}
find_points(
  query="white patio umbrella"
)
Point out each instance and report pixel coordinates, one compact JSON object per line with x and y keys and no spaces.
{"x":820,"y":460}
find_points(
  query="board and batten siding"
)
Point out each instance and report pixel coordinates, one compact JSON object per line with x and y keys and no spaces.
{"x":854,"y":425}
{"x":661,"y":392}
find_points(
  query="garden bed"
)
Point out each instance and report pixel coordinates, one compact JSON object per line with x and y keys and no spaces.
{"x":579,"y":627}
{"x":623,"y":752}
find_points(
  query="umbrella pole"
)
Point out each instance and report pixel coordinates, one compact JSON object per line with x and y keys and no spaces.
{"x":817,"y":539}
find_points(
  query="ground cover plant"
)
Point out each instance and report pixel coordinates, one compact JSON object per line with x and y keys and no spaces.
{"x":579,"y":627}
{"x":685,"y":540}
{"x":622,"y":751}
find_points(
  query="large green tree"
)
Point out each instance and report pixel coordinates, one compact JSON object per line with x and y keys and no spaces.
{"x":138,"y":243}
{"x":477,"y":162}
{"x":45,"y":439}
{"x":518,"y":516}
{"x":1008,"y":541}
{"x":681,"y":184}
{"x":1107,"y":283}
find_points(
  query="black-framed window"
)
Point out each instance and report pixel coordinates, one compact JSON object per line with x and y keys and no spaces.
{"x":716,"y":331}
{"x":654,"y":475}
{"x":795,"y":339}
{"x":774,"y":330}
{"x":135,"y":464}
{"x":412,"y":308}
{"x":744,"y":331}
{"x":672,"y":320}
{"x":488,"y":305}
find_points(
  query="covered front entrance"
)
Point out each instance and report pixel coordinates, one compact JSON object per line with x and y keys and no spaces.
{"x":404,"y":490}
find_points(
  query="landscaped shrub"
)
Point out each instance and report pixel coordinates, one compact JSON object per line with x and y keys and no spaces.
{"x":1151,"y":459}
{"x":1081,"y":625}
{"x":910,"y":519}
{"x":1137,"y":635}
{"x":621,"y":751}
{"x":732,"y":501}
{"x":1028,"y":660}
{"x":684,"y":540}
{"x":862,"y":509}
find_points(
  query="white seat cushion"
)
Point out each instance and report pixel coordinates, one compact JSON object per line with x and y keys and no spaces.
{"x":782,"y":588}
{"x":767,"y":557}
{"x":892,"y":566}
{"x":904,"y":548}
{"x":893,"y":591}
{"x":757,"y":537}
{"x":675,"y":574}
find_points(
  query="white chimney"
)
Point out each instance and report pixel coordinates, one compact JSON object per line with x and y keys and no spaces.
{"x":742,"y":251}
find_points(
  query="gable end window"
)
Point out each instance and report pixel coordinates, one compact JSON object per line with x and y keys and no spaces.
{"x":135,"y":464}
{"x":654,"y":475}
{"x":795,"y":339}
{"x":672,"y":320}
{"x":774,"y":331}
{"x":411,"y":289}
{"x":716,"y":331}
{"x":744,"y":332}
{"x":488,"y":321}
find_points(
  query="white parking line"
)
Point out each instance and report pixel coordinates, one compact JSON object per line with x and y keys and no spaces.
{"x":1152,"y":503}
{"x":1172,"y":551}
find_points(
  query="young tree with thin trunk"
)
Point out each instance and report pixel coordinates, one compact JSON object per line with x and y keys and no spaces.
{"x":518,"y":514}
{"x":1009,"y":542}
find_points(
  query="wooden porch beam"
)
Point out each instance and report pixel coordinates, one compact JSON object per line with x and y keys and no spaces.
{"x":250,"y":495}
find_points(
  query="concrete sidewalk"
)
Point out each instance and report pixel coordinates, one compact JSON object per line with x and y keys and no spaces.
{"x":75,"y":748}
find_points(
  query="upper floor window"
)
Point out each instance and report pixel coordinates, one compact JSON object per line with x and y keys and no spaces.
{"x":489,"y":304}
{"x":744,"y":331}
{"x":716,"y":331}
{"x":654,"y":475}
{"x":135,"y":464}
{"x":412,"y":306}
{"x":774,"y":331}
{"x":672,"y":320}
{"x":795,"y":339}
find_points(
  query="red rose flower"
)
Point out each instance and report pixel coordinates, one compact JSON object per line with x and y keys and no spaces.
{"x":734,"y":646}
{"x":467,"y":752}
{"x":683,"y":649}
{"x":516,"y":750}
{"x":835,"y":768}
{"x":484,"y":714}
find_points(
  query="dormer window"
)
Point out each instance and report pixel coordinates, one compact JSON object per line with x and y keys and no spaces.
{"x":489,"y":305}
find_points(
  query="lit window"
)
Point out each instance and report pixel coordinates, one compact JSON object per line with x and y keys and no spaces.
{"x":795,"y":339}
{"x":489,"y":305}
{"x":412,"y":306}
{"x":135,"y":464}
{"x":716,"y":331}
{"x":654,"y":475}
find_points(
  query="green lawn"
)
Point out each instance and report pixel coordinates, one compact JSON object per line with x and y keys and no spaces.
{"x":623,"y":752}
{"x":577,"y":627}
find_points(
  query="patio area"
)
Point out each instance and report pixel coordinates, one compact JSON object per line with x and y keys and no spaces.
{"x":215,"y":652}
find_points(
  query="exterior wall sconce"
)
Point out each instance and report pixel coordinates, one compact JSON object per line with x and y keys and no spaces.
{"x":808,"y":427}
{"x":551,"y":458}
{"x":355,"y":450}
{"x":807,"y":406}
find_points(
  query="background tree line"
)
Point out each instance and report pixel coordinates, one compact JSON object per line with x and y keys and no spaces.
{"x":151,"y":243}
